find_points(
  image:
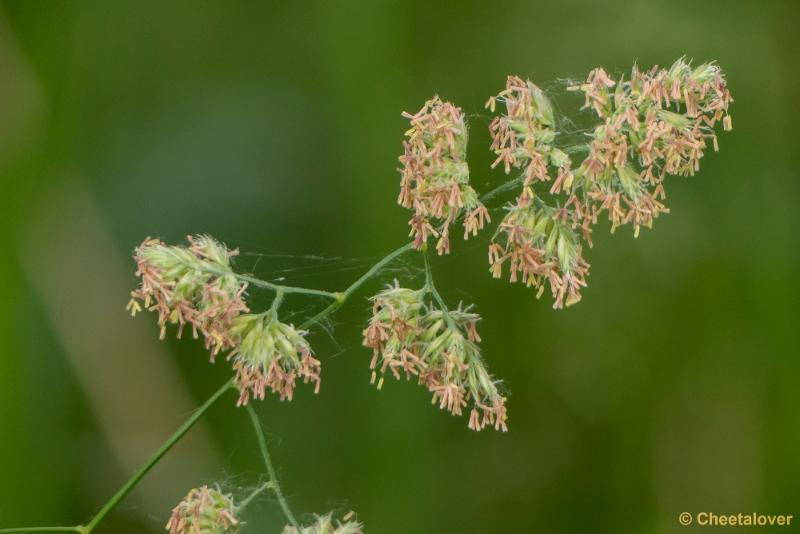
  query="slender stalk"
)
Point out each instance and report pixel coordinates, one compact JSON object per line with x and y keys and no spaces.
{"x":247,"y":500}
{"x":153,"y":460}
{"x":432,"y":290}
{"x":42,"y":529}
{"x":287,"y":289}
{"x":352,"y":288}
{"x":276,"y":303}
{"x":273,"y":478}
{"x":502,"y":188}
{"x":577,"y":149}
{"x":341,"y":297}
{"x":344,"y":295}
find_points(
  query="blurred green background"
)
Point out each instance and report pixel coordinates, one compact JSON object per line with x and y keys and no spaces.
{"x":275,"y":126}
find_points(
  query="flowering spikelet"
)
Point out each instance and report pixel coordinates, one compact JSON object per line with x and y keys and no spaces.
{"x":656,"y":124}
{"x":325,"y":524}
{"x":192,"y":286}
{"x":537,"y":246}
{"x":435,"y":175}
{"x":270,"y":354}
{"x":455,"y":372}
{"x":204,"y":511}
{"x":440,"y":348}
{"x":540,"y":248}
{"x":523,"y":136}
{"x":393,"y":331}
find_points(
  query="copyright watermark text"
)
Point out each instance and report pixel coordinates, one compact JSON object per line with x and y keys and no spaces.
{"x":710,"y":519}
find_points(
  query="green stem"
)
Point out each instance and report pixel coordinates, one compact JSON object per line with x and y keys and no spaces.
{"x":577,"y":149}
{"x":341,"y":297}
{"x":344,"y":295}
{"x":286,"y":289}
{"x":42,"y":529}
{"x":431,"y":288}
{"x":273,"y":478}
{"x":502,"y":188}
{"x":347,"y":293}
{"x":276,"y":303}
{"x":247,"y":500}
{"x":165,"y":447}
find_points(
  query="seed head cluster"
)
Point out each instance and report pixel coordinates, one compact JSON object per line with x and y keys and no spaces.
{"x":522,"y":138}
{"x":326,"y":524}
{"x":538,"y":248}
{"x":435,"y":175}
{"x":410,"y":338}
{"x":204,"y":511}
{"x":658,"y":123}
{"x":192,"y":286}
{"x":270,"y":354}
{"x":196,"y":286}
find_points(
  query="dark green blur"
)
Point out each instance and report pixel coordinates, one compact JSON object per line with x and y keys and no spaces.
{"x":275,"y":127}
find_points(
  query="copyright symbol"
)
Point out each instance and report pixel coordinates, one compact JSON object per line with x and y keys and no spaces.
{"x":685,"y":519}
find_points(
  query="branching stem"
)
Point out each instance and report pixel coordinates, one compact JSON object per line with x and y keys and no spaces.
{"x":153,"y":460}
{"x":431,"y":288}
{"x":273,"y":478}
{"x":277,"y":301}
{"x":42,"y":529}
{"x":286,"y":289}
{"x":338,"y":299}
{"x":247,"y":500}
{"x":352,"y":288}
{"x":502,"y":188}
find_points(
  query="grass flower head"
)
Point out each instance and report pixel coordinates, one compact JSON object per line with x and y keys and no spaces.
{"x":270,"y":354}
{"x":192,"y":286}
{"x":439,"y":347}
{"x":657,"y":123}
{"x":204,"y":511}
{"x":435,"y":175}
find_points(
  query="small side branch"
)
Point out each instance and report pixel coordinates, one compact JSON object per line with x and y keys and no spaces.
{"x":42,"y":529}
{"x":273,"y":478}
{"x":502,"y":188}
{"x":286,"y":289}
{"x":431,"y":288}
{"x":352,"y":288}
{"x":247,"y":500}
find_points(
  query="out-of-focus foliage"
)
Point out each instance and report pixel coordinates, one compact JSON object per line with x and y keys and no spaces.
{"x":276,"y":127}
